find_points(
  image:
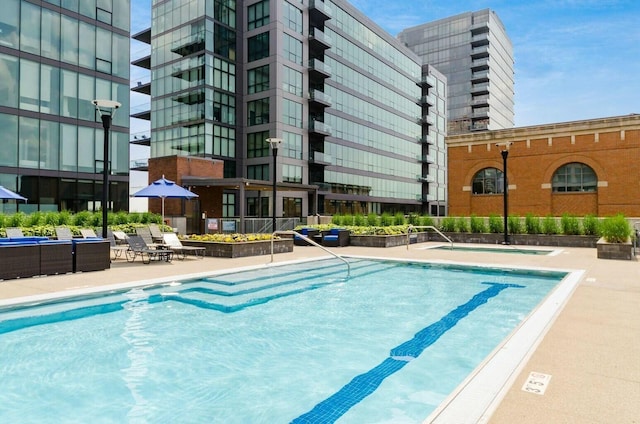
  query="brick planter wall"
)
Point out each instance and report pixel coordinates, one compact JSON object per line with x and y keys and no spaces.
{"x":623,"y":251}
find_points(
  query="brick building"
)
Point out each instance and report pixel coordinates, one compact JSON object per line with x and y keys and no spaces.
{"x":579,"y":167}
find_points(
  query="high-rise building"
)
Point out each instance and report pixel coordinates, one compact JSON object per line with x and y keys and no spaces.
{"x":56,"y":56}
{"x":356,"y":112}
{"x":475,"y":53}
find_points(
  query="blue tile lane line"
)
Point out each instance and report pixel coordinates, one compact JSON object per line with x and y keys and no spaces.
{"x":335,"y":406}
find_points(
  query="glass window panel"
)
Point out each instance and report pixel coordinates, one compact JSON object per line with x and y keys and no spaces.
{"x":69,"y":145}
{"x":29,"y":83}
{"x":71,"y":4}
{"x":69,"y":97}
{"x":29,"y":143}
{"x":30,"y":28}
{"x":9,"y":23}
{"x":88,"y":8}
{"x":121,"y":14}
{"x":86,"y":93}
{"x":87,"y":52}
{"x":69,"y":47}
{"x":258,"y":79}
{"x":49,"y":144}
{"x":87,"y":145}
{"x":50,"y":34}
{"x":49,"y":89}
{"x":258,"y":46}
{"x":9,"y":81}
{"x":103,"y":51}
{"x":8,"y":140}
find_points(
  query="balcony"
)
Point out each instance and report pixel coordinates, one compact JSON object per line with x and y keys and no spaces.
{"x":426,"y":158}
{"x":427,"y":80}
{"x":480,"y":64}
{"x":425,"y":119}
{"x":426,"y":178}
{"x":139,"y":165}
{"x":425,"y":198}
{"x":480,"y":113}
{"x":143,"y":62}
{"x":482,"y":100}
{"x":319,"y":158}
{"x":143,"y":87}
{"x":480,"y":126}
{"x":429,"y":99}
{"x":142,"y":111}
{"x":319,"y":69}
{"x":480,"y":39}
{"x":480,"y":76}
{"x":426,"y":139}
{"x":141,"y":139}
{"x":317,"y":96}
{"x":189,"y":45}
{"x":319,"y":11}
{"x":480,"y":52}
{"x":319,"y":40}
{"x":482,"y":88}
{"x":319,"y":127}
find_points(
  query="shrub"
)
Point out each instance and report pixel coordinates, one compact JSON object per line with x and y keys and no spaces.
{"x":570,"y":225}
{"x":386,"y":219}
{"x":496,"y":224}
{"x":359,"y":220}
{"x":448,"y":224}
{"x":426,"y":220}
{"x":515,"y":224}
{"x":591,"y":225}
{"x":616,"y":229}
{"x":83,"y":219}
{"x":18,"y":219}
{"x":34,"y":219}
{"x":398,"y":219}
{"x":65,"y":218}
{"x":372,"y":219}
{"x":336,"y":219}
{"x":462,"y":225}
{"x":414,"y":219}
{"x":532,"y":224}
{"x":549,"y":225}
{"x":477,"y":224}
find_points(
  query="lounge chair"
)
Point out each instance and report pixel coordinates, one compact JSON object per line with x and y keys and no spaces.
{"x":88,"y":233}
{"x":116,"y":248}
{"x":138,"y":247}
{"x":14,"y":232}
{"x":145,"y":233}
{"x":64,"y":233}
{"x":172,"y":240}
{"x":156,"y":233}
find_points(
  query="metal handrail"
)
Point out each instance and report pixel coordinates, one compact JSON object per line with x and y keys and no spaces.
{"x":411,"y":227}
{"x":310,"y":241}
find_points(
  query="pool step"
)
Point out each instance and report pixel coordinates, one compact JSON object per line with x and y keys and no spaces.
{"x":231,"y":294}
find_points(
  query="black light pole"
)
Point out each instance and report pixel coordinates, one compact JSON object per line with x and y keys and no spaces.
{"x":274,"y":143}
{"x":505,"y":190}
{"x":106,"y":109}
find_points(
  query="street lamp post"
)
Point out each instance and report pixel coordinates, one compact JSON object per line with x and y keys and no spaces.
{"x":106,"y":109}
{"x":274,"y":143}
{"x":505,"y":154}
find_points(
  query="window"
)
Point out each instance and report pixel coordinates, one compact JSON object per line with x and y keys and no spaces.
{"x":292,"y":207}
{"x":258,"y":14}
{"x":224,"y":76}
{"x":258,"y":172}
{"x":292,"y":81}
{"x":258,"y":79}
{"x":574,"y":177}
{"x":257,"y":145}
{"x":292,"y":174}
{"x":292,"y":113}
{"x":258,"y":46}
{"x":225,"y":12}
{"x":9,"y":22}
{"x":293,"y":17}
{"x":293,"y":49}
{"x":488,"y":181}
{"x":224,"y":108}
{"x":258,"y":112}
{"x":224,"y":42}
{"x":228,"y":205}
{"x":292,"y":146}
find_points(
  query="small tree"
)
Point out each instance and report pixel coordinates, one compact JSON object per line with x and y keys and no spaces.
{"x":532,"y":224}
{"x":495,"y":224}
{"x":515,"y":224}
{"x":591,"y":225}
{"x":477,"y":224}
{"x":426,"y":220}
{"x":448,"y":224}
{"x":462,"y":225}
{"x":549,"y":225}
{"x":398,"y":219}
{"x":372,"y":219}
{"x":616,"y":229}
{"x":570,"y":224}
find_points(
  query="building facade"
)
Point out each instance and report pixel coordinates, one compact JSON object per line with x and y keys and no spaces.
{"x":56,"y":56}
{"x":357,"y":113}
{"x":475,"y":53}
{"x":579,"y":168}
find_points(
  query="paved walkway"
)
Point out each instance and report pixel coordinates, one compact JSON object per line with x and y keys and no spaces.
{"x":592,"y":350}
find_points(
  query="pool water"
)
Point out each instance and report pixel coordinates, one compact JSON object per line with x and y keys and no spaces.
{"x":293,"y":343}
{"x":513,"y":250}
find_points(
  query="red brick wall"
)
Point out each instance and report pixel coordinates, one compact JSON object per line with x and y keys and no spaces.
{"x":532,"y":163}
{"x":174,"y":168}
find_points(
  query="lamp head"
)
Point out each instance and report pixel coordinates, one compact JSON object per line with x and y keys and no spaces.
{"x":274,"y":143}
{"x":106,"y":106}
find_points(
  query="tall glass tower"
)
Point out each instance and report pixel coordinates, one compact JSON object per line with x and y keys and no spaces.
{"x":475,"y":54}
{"x":56,"y":56}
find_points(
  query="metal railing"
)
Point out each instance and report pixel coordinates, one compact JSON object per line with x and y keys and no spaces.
{"x":431,"y":227}
{"x":312,"y":242}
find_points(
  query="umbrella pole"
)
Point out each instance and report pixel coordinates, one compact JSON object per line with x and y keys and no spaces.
{"x":163,"y":211}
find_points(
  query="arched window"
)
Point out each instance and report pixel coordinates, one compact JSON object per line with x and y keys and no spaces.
{"x":573,"y":177}
{"x":488,"y":181}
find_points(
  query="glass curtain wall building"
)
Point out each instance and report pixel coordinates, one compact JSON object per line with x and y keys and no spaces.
{"x":55,"y":57}
{"x":475,"y":54}
{"x":346,"y":98}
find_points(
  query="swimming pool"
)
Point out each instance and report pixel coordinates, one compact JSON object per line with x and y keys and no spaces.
{"x":291,"y":343}
{"x":491,"y":249}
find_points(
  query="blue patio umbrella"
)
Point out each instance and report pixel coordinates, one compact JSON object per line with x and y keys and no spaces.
{"x":5,"y":193}
{"x":164,"y":189}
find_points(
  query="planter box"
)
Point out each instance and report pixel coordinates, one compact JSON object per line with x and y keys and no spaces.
{"x":520,"y":239}
{"x":623,"y":251}
{"x":388,"y":241}
{"x":242,"y":249}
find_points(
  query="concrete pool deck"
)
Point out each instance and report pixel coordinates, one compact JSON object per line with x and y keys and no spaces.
{"x":592,"y":350}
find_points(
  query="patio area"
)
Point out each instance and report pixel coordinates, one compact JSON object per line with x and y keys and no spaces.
{"x":591,"y":350}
